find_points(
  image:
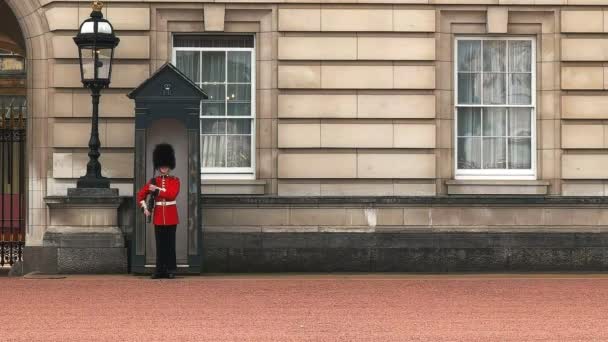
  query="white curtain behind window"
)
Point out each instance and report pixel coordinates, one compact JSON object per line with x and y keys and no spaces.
{"x":213,"y":151}
{"x":189,"y":63}
{"x":520,"y":68}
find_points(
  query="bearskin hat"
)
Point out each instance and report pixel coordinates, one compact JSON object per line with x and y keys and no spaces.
{"x":163,"y":155}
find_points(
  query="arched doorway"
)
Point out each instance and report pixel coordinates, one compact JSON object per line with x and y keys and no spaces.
{"x":13,"y":116}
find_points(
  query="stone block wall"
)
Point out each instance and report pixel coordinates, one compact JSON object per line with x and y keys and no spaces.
{"x":356,"y":105}
{"x":582,"y":84}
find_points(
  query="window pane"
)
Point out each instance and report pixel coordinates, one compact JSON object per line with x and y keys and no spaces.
{"x":189,"y":63}
{"x":494,"y":153}
{"x":494,"y":55}
{"x":239,"y":99}
{"x":519,"y":122}
{"x":469,"y":153}
{"x":239,"y":66}
{"x":239,"y":151}
{"x":213,"y":109}
{"x":520,"y":56}
{"x":469,"y":122}
{"x":239,"y":109}
{"x":213,"y":151}
{"x":213,"y":126}
{"x":88,"y":63}
{"x":494,"y":91}
{"x":216,"y":92}
{"x":520,"y":89}
{"x":469,"y":88}
{"x":214,"y":67}
{"x":520,"y":153}
{"x":469,"y":55}
{"x":239,"y":126}
{"x":239,"y":92}
{"x":104,"y":56}
{"x":494,"y":122}
{"x":215,"y":104}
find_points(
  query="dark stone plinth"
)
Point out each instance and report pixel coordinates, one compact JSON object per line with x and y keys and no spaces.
{"x":91,"y":260}
{"x":62,"y":260}
{"x":405,"y":252}
{"x":87,"y":182}
{"x":83,"y":250}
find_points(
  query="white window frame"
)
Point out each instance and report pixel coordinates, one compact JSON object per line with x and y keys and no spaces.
{"x":497,"y":174}
{"x":229,"y":172}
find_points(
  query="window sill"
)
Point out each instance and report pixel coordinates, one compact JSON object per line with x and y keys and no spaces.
{"x":233,"y":187}
{"x":497,"y":187}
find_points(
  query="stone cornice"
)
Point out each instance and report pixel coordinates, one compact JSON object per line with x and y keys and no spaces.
{"x":413,"y":201}
{"x":395,"y":2}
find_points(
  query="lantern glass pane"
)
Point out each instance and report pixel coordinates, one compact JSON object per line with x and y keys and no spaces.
{"x":88,"y":27}
{"x":103,"y":63}
{"x":103,"y":27}
{"x":87,"y":60}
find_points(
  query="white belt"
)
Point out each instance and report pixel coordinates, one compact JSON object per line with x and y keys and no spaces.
{"x":166,"y":203}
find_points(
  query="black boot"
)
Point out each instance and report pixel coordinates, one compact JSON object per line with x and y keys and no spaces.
{"x":160,"y":273}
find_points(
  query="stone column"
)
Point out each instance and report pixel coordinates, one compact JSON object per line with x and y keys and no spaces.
{"x":83,"y":235}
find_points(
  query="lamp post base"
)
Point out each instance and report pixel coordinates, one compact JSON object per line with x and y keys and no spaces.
{"x":92,"y":192}
{"x":93,"y":183}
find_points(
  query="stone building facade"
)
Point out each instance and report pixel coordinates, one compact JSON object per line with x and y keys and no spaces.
{"x":370,"y":135}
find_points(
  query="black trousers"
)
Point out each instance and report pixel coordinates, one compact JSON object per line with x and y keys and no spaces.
{"x":165,"y":249}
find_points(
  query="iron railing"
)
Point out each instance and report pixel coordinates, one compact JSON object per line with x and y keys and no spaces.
{"x":13,"y":111}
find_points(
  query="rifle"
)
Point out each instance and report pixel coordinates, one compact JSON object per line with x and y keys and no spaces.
{"x":152,"y":199}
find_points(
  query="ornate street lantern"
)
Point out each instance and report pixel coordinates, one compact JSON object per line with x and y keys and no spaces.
{"x":96,"y":42}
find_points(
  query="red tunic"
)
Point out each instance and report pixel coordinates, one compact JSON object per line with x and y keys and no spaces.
{"x":164,"y":215}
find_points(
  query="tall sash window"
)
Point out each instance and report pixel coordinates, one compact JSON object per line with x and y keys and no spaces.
{"x":224,"y":67}
{"x":495,"y":97}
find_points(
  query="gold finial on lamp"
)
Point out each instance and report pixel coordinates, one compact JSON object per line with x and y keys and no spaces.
{"x":97,"y":6}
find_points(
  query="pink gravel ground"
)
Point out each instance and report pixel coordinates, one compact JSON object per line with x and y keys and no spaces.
{"x":306,"y":308}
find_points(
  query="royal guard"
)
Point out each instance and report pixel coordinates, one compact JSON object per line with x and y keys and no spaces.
{"x":163,"y":190}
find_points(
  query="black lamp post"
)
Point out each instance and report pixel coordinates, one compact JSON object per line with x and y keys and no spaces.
{"x":96,"y":42}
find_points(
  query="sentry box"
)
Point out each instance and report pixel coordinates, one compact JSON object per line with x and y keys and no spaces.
{"x":167,"y":107}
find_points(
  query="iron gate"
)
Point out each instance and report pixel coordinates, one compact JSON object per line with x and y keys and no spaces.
{"x":12,"y":178}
